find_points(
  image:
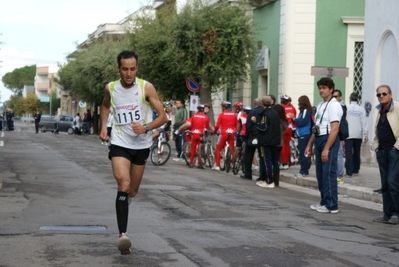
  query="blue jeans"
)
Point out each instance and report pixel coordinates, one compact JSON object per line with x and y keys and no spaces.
{"x":304,"y":161}
{"x":352,"y":149}
{"x":340,"y":162}
{"x":326,"y":172}
{"x":87,"y":124}
{"x":179,"y":142}
{"x":388,"y":163}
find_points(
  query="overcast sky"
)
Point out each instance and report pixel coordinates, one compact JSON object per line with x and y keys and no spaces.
{"x":46,"y":31}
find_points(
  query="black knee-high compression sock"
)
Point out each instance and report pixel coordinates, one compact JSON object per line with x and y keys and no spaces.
{"x":122,"y":210}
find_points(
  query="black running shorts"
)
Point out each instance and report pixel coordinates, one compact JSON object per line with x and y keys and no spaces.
{"x":135,"y":156}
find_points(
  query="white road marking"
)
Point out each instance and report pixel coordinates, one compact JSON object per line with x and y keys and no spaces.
{"x":1,"y":143}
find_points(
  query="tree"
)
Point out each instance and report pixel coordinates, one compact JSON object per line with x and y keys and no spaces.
{"x":215,"y":42}
{"x":152,"y":41}
{"x":18,"y":78}
{"x":87,"y":74}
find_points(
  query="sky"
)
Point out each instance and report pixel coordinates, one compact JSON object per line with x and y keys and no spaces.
{"x":46,"y":31}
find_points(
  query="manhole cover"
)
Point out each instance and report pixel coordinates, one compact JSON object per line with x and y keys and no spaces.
{"x":73,"y":228}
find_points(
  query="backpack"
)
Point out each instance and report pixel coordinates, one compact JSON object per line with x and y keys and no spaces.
{"x":343,"y":132}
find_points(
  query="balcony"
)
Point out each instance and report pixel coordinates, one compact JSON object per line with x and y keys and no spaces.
{"x":42,"y":70}
{"x":42,"y":86}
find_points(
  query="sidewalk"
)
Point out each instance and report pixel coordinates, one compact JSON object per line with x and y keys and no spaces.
{"x":359,"y":187}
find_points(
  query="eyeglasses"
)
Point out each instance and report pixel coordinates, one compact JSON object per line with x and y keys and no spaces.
{"x":335,"y":96}
{"x":382,"y":94}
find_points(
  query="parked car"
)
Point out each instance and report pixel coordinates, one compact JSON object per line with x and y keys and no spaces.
{"x":65,"y":124}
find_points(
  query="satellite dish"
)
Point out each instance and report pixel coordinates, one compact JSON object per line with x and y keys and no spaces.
{"x":82,"y":104}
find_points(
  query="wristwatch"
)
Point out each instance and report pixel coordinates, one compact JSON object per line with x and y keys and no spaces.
{"x":146,"y":128}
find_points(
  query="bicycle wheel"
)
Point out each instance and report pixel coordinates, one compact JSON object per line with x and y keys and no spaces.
{"x":187,"y":152}
{"x":201,"y":155}
{"x":236,"y":163}
{"x":222,"y":160}
{"x":227,"y":161}
{"x":211,"y":156}
{"x":160,"y":156}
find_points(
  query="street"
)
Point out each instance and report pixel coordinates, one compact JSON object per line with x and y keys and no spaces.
{"x":57,"y":208}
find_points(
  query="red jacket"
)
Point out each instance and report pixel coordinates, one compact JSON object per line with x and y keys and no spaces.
{"x":199,"y":122}
{"x":227,"y":120}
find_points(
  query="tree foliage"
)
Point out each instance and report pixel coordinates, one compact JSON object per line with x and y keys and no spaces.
{"x":87,"y":74}
{"x":27,"y":105}
{"x":18,"y":78}
{"x":214,"y":42}
{"x":151,"y":40}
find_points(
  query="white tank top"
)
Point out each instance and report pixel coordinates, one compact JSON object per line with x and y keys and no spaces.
{"x":129,"y":105}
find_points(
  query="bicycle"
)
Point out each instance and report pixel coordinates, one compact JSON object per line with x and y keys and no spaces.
{"x":225,"y":154}
{"x":209,"y":151}
{"x":200,"y":151}
{"x":238,"y":159}
{"x":160,"y":150}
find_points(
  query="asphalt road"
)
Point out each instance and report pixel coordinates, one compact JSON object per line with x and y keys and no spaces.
{"x":57,"y":209}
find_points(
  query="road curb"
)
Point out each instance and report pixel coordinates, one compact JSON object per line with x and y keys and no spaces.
{"x":351,"y":191}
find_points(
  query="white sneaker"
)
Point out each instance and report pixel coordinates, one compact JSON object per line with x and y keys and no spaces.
{"x":284,"y":167}
{"x":216,"y":168}
{"x":124,"y":244}
{"x":261,"y":183}
{"x":315,"y":206}
{"x":323,"y":209}
{"x":271,"y":185}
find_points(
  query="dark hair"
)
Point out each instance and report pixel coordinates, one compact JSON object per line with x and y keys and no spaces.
{"x":338,"y":91}
{"x":326,"y":81}
{"x":384,"y":85}
{"x":125,"y":55}
{"x":273,"y":98}
{"x":304,"y":103}
{"x":280,"y":111}
{"x":354,"y":96}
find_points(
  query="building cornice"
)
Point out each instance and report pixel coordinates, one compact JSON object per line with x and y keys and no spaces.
{"x":352,"y":20}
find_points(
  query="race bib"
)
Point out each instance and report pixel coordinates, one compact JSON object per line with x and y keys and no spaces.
{"x":124,"y":114}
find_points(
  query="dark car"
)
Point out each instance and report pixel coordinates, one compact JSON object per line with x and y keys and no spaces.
{"x":65,"y":124}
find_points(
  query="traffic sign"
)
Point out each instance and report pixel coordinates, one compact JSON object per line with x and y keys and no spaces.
{"x":193,"y":84}
{"x":82,"y":104}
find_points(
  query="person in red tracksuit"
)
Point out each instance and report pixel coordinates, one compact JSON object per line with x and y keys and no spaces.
{"x":197,"y":124}
{"x":227,"y":122}
{"x":290,"y":113}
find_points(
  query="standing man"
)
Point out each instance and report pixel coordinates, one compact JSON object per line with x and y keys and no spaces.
{"x":340,"y":161}
{"x":87,"y":121}
{"x":270,"y":128}
{"x":181,"y":116}
{"x":386,"y":144}
{"x":131,"y":100}
{"x":326,"y":140}
{"x":37,"y":118}
{"x":357,"y":124}
{"x":227,"y":123}
{"x":251,"y":129}
{"x":197,"y":123}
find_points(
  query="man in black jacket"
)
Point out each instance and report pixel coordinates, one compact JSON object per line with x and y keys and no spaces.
{"x":251,"y":129}
{"x":37,"y":117}
{"x":269,"y":138}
